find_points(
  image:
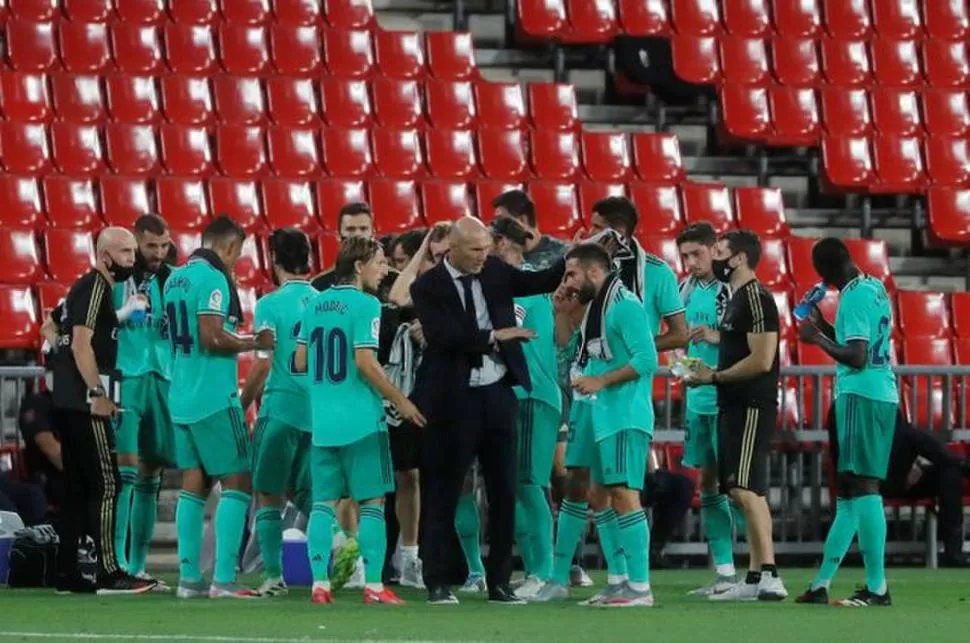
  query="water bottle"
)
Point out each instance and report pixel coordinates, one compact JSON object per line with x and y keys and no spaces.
{"x":812,"y":297}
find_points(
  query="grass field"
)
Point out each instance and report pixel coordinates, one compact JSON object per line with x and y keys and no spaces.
{"x":930,"y":606}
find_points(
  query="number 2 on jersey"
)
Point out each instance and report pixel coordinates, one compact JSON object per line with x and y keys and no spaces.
{"x":330,"y":355}
{"x":295,"y":334}
{"x":879,"y":353}
{"x":178,"y":328}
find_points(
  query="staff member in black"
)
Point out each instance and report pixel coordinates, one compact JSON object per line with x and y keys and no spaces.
{"x":84,"y":411}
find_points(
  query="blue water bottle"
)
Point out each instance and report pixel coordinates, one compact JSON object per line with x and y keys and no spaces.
{"x":812,"y":297}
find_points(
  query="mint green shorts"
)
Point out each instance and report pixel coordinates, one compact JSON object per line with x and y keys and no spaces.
{"x":361,"y":470}
{"x":280,"y":457}
{"x":538,"y":429}
{"x":218,"y":444}
{"x":618,"y":460}
{"x":864,"y":429}
{"x":144,"y":426}
{"x":700,"y":440}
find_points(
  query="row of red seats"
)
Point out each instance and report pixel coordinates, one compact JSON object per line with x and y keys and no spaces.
{"x":234,"y":100}
{"x":599,"y":21}
{"x":280,"y":49}
{"x":833,"y":61}
{"x":352,"y":14}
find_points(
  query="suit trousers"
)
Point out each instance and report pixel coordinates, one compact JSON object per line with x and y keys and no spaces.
{"x":486,"y":429}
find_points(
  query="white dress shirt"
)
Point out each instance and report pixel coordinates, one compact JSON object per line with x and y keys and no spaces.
{"x":492,"y":369}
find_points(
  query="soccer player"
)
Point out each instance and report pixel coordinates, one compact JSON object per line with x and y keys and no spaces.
{"x":866,"y":404}
{"x":349,"y":456}
{"x":144,"y":434}
{"x":281,"y":438}
{"x":541,"y":250}
{"x":747,"y":397}
{"x":706,"y":299}
{"x":212,"y":442}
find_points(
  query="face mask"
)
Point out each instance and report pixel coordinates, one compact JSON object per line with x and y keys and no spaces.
{"x":120,"y":273}
{"x":723,"y":269}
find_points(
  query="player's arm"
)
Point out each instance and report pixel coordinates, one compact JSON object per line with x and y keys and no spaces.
{"x":854,"y":353}
{"x":50,"y":447}
{"x":762,"y":342}
{"x":632,"y":325}
{"x":86,"y":306}
{"x":213,"y":309}
{"x":300,"y":355}
{"x":400,"y":294}
{"x":535,"y":282}
{"x":671,"y":308}
{"x":256,"y":380}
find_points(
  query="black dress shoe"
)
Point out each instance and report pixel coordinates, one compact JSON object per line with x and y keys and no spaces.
{"x":441,"y":596}
{"x":503,"y":594}
{"x":74,"y":585}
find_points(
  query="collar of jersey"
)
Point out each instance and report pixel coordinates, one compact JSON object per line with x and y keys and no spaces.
{"x":858,"y":277}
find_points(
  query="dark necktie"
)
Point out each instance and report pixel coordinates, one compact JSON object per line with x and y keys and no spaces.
{"x":471,"y":315}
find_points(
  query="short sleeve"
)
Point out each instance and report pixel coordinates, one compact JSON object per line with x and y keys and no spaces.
{"x":762,"y":311}
{"x":853,"y":317}
{"x":86,"y":301}
{"x":367,"y":324}
{"x":213,"y":293}
{"x":263,"y":318}
{"x":668,"y":299}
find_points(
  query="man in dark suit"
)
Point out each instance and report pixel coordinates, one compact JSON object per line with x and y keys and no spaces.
{"x":464,"y":386}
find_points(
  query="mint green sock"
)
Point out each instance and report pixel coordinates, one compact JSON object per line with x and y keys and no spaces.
{"x":871,"y":523}
{"x":320,"y":540}
{"x":572,"y":525}
{"x":269,"y":532}
{"x":634,"y":537}
{"x":144,"y":510}
{"x":129,"y":476}
{"x":230,"y":522}
{"x":532,"y":499}
{"x":609,"y":533}
{"x":837,"y":543}
{"x":189,"y":520}
{"x":372,"y":536}
{"x":468,"y":528}
{"x":716,"y":516}
{"x":523,"y":535}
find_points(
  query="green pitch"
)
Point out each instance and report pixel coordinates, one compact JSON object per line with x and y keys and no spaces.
{"x":930,"y":607}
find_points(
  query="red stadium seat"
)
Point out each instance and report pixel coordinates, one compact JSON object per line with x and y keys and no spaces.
{"x":695,"y":18}
{"x":132,"y":149}
{"x":241,"y":151}
{"x":25,"y":148}
{"x":19,"y":256}
{"x":348,"y":53}
{"x":744,"y":60}
{"x":872,"y":258}
{"x":293,"y":152}
{"x":333,"y":194}
{"x":542,"y":19}
{"x":812,"y":355}
{"x":644,"y":17}
{"x":659,"y":207}
{"x":846,"y":62}
{"x":949,"y":215}
{"x":345,"y":102}
{"x":133,"y":99}
{"x":145,"y":12}
{"x":19,"y":327}
{"x":800,"y":262}
{"x":70,"y":253}
{"x":290,"y":203}
{"x":346,"y":152}
{"x":801,"y":19}
{"x":124,"y":199}
{"x":34,"y":10}
{"x":772,"y":268}
{"x":960,"y":303}
{"x":557,"y":207}
{"x":500,"y":105}
{"x":795,"y":61}
{"x":663,"y":247}
{"x":296,"y":50}
{"x":249,"y":270}
{"x":946,"y":112}
{"x":395,"y":204}
{"x":606,"y":156}
{"x":292,"y":102}
{"x":137,"y":48}
{"x":709,"y":202}
{"x":298,"y":12}
{"x":695,"y":59}
{"x":190,"y":49}
{"x":745,"y":112}
{"x":847,"y":18}
{"x":250,"y":12}
{"x":590,"y":192}
{"x":946,"y":20}
{"x":926,"y":351}
{"x":247,"y":300}
{"x":397,"y":153}
{"x":795,"y":116}
{"x":896,"y":63}
{"x":186,"y":151}
{"x":553,"y":106}
{"x":243,"y":49}
{"x":400,"y":54}
{"x":70,"y":202}
{"x":187,"y":100}
{"x":196,"y":12}
{"x":24,"y":97}
{"x":786,"y":327}
{"x":657,"y":158}
{"x":590,"y":21}
{"x":328,"y":246}
{"x":896,"y":111}
{"x":20,"y":203}
{"x":946,"y":64}
{"x":77,"y":148}
{"x":761,"y":210}
{"x":239,"y":101}
{"x":84,"y":46}
{"x":923,"y":314}
{"x":486,"y":192}
{"x":897,"y":19}
{"x":49,"y":295}
{"x":186,"y":242}
{"x":78,"y":99}
{"x":451,"y":55}
{"x":451,"y":105}
{"x":182,"y":202}
{"x":397,"y":103}
{"x":899,"y":165}
{"x":555,"y":155}
{"x":31,"y":46}
{"x":845,"y":111}
{"x":349,"y":14}
{"x":748,"y":18}
{"x":451,"y":153}
{"x":502,"y":153}
{"x":445,"y":201}
{"x":848,"y":162}
{"x":238,"y":198}
{"x":439,"y":196}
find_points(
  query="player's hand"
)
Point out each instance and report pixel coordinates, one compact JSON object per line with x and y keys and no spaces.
{"x":914,"y":475}
{"x":588,"y":384}
{"x":815,"y":315}
{"x":265,"y":341}
{"x":410,"y":412}
{"x":103,"y":407}
{"x":507,"y":334}
{"x":707,"y":334}
{"x":581,"y":235}
{"x":701,"y":375}
{"x":417,"y":332}
{"x":808,"y":333}
{"x":611,"y":243}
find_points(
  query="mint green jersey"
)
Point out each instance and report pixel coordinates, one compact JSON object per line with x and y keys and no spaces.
{"x":661,"y":297}
{"x":143,"y":347}
{"x":865,"y":312}
{"x":628,"y":405}
{"x":202,"y":383}
{"x":704,"y":303}
{"x":281,"y":313}
{"x":344,"y":408}
{"x":536,"y":313}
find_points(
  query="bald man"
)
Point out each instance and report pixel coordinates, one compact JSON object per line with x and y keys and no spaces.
{"x":464,"y":388}
{"x":85,"y":404}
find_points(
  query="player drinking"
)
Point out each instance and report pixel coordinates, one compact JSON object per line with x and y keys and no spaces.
{"x":705,"y":299}
{"x":281,"y":439}
{"x":203,"y":311}
{"x":349,"y":456}
{"x":866,"y":403}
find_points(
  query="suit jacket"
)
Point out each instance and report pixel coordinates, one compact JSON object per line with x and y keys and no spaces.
{"x":442,"y":378}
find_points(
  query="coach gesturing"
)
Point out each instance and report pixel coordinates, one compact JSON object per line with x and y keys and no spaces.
{"x":85,"y":408}
{"x":464,"y":388}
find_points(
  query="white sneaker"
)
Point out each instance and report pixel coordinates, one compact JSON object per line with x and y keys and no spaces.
{"x":273,"y":587}
{"x":160,"y":585}
{"x":192,"y":589}
{"x":771,"y":588}
{"x":604,"y":594}
{"x":357,"y":579}
{"x":739,"y":592}
{"x":474,"y":584}
{"x":720,"y":585}
{"x":529,"y":588}
{"x":579,"y":577}
{"x":412,"y":574}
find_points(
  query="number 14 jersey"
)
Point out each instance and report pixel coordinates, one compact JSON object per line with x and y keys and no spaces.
{"x":344,"y":408}
{"x":865,"y":312}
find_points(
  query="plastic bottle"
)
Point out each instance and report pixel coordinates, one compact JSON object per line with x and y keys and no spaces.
{"x":812,"y":297}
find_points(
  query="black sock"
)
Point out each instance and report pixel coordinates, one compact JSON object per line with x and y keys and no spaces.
{"x":753,"y":578}
{"x":769,"y":569}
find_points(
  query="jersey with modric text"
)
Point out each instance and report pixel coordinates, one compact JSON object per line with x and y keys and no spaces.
{"x":751,"y":309}
{"x":88,"y":304}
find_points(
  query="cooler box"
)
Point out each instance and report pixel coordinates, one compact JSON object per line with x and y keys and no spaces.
{"x":10,"y":523}
{"x":296,"y":562}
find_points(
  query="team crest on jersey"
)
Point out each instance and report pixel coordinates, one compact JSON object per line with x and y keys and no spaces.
{"x":375,"y":327}
{"x":215,"y":300}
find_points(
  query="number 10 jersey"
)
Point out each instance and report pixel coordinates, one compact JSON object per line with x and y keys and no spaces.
{"x":865,"y":313}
